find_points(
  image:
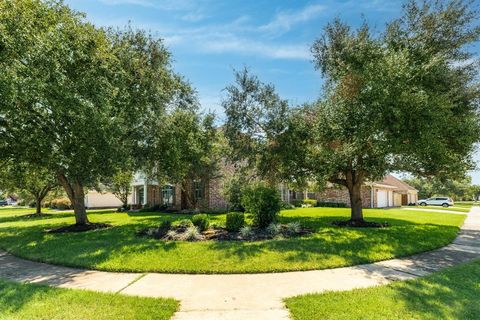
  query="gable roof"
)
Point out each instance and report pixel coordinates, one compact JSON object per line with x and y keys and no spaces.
{"x":395,"y":182}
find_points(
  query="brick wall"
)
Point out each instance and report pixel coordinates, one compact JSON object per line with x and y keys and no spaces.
{"x":340,"y":195}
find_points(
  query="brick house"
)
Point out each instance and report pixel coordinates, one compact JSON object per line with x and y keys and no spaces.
{"x":389,"y":192}
{"x":208,"y":194}
{"x":190,"y":194}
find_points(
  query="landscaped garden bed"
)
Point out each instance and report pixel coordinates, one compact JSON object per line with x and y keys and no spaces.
{"x":188,"y":232}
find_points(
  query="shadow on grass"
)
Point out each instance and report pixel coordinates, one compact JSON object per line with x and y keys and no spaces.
{"x":450,"y":294}
{"x":353,"y":245}
{"x":14,"y":296}
{"x":347,"y":245}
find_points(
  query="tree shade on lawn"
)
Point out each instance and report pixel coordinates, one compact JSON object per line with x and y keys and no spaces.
{"x":119,"y":249}
{"x":30,"y":301}
{"x":449,"y":294}
{"x":81,"y":101}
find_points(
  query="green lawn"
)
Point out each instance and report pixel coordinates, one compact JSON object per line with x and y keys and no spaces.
{"x":456,"y":207}
{"x":119,"y":249}
{"x":450,"y":294}
{"x":29,"y":301}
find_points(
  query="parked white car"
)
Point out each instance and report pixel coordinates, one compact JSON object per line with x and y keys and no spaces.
{"x":437,"y":201}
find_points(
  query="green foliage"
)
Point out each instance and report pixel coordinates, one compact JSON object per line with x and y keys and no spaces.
{"x":29,"y":181}
{"x":193,"y":150}
{"x":457,"y":189}
{"x":310,"y":202}
{"x":233,"y":193}
{"x":121,"y":186}
{"x":273,"y":230}
{"x":298,"y":203}
{"x":405,"y":99}
{"x":186,"y":223}
{"x":235,"y":221}
{"x":60,"y":204}
{"x":255,"y":115}
{"x":263,"y":202}
{"x":201,"y":221}
{"x":331,"y":204}
{"x":81,"y":101}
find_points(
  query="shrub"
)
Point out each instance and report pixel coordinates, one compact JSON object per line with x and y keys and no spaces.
{"x":273,"y":229}
{"x":60,"y":204}
{"x":263,"y":202}
{"x":32,"y":204}
{"x":293,"y":228}
{"x":287,"y":206}
{"x":171,"y":235}
{"x":192,"y":233}
{"x":201,"y":221}
{"x":310,"y":202}
{"x":331,"y":204}
{"x":246,"y":232}
{"x":297,"y":203}
{"x":233,"y":193}
{"x":63,"y":204}
{"x":235,"y":221}
{"x":46,"y":204}
{"x":185,"y":223}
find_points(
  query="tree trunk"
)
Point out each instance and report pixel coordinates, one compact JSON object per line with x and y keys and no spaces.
{"x":355,"y":192}
{"x":354,"y":181}
{"x":76,"y":195}
{"x":78,"y":203}
{"x":38,"y":205}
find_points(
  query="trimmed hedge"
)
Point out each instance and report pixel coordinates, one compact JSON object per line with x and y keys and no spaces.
{"x":331,"y":204}
{"x":310,"y":202}
{"x":201,"y":221}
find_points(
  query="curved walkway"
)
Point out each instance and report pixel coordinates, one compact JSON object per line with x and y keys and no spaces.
{"x":248,"y":296}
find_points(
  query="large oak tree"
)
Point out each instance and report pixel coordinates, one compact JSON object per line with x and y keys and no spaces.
{"x":77,"y":99}
{"x":402,"y":100}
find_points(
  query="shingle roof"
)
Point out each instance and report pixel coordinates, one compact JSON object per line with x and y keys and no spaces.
{"x":395,"y":182}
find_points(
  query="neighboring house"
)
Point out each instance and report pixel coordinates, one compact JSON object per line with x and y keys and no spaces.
{"x":95,"y":199}
{"x":390,"y":192}
{"x":11,"y":200}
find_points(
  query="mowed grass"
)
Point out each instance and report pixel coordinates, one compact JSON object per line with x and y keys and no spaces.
{"x":120,"y":249}
{"x":449,"y":294}
{"x":29,"y":301}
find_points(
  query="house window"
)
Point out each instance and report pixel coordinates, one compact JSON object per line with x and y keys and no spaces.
{"x":198,"y":189}
{"x":140,"y":195}
{"x":168,"y":195}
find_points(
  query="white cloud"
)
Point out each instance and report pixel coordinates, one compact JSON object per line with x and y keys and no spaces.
{"x":246,"y":46}
{"x":284,"y":21}
{"x":167,"y":5}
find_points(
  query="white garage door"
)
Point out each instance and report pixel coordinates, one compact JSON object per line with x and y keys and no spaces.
{"x":382,"y":198}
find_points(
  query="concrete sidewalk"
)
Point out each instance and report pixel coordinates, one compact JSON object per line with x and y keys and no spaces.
{"x":434,"y":210}
{"x":248,"y":296}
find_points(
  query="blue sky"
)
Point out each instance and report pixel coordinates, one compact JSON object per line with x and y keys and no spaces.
{"x":210,"y":38}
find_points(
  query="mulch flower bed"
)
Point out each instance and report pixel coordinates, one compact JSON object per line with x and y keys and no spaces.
{"x":79,"y":228}
{"x":215,"y":233}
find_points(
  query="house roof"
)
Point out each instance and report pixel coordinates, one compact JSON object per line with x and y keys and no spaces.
{"x":395,"y":182}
